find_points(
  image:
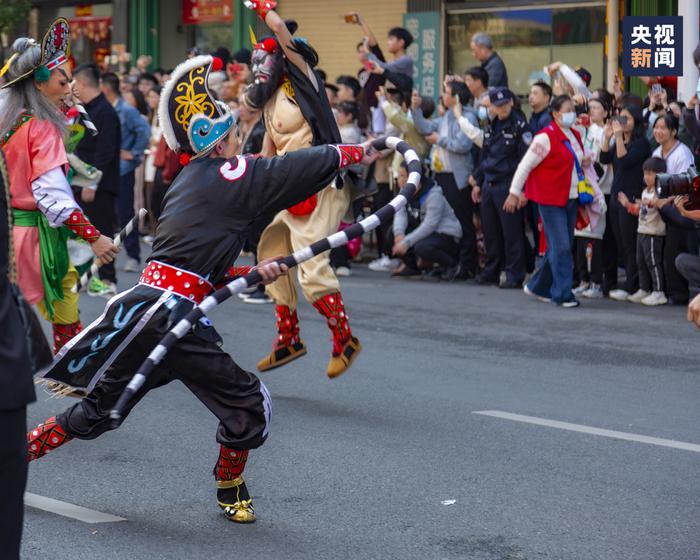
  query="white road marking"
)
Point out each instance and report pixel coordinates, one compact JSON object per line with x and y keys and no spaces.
{"x":69,"y":510}
{"x":581,"y":428}
{"x":448,"y":502}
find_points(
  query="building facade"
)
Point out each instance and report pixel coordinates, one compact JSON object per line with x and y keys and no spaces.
{"x":528,"y":34}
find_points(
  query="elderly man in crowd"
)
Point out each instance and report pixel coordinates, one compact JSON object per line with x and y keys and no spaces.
{"x":482,"y":50}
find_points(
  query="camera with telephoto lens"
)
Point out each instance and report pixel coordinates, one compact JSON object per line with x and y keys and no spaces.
{"x":680,"y":184}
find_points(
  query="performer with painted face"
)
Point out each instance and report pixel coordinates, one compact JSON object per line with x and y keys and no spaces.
{"x":32,"y":128}
{"x":207,"y":213}
{"x":297,"y":115}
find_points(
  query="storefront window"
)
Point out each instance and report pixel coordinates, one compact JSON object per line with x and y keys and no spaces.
{"x":529,"y":39}
{"x":209,"y":37}
{"x":91,"y":30}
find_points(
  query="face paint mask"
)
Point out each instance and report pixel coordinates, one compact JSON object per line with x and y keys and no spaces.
{"x":262,"y":65}
{"x":568,"y":119}
{"x":483,"y":113}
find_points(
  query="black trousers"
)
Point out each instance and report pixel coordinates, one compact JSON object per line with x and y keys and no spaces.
{"x":125,"y":209}
{"x":504,"y":235}
{"x":102,"y":214}
{"x":609,"y":250}
{"x":675,"y":244}
{"x":624,"y":227}
{"x":650,"y":250}
{"x":383,"y":232}
{"x":13,"y":468}
{"x":438,"y":248}
{"x":340,"y":256}
{"x":236,"y":397}
{"x":688,"y":265}
{"x":461,"y":203}
{"x":596,"y":273}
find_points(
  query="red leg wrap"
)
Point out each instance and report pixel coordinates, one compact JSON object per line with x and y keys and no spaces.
{"x":63,"y":333}
{"x":332,"y":308}
{"x":230,"y":464}
{"x":287,"y":326}
{"x":45,"y":437}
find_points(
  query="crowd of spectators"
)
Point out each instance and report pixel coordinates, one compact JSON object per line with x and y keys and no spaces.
{"x":556,"y":198}
{"x":552,"y":194}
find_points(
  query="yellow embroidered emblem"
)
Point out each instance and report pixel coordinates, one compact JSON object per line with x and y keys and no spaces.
{"x":192,"y":102}
{"x":288,"y":87}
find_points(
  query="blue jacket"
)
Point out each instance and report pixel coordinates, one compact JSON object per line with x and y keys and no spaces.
{"x":539,"y":120}
{"x":135,"y":135}
{"x":456,"y":142}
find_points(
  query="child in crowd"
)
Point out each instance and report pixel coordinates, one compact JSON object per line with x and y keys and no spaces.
{"x":346,"y":117}
{"x":589,"y":259}
{"x":650,"y":237}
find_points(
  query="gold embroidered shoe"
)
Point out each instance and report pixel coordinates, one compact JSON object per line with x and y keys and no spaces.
{"x":288,"y":346}
{"x":338,"y":364}
{"x":233,"y":498}
{"x":282,"y":356}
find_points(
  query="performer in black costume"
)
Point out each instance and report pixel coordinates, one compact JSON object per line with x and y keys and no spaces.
{"x":207,"y":213}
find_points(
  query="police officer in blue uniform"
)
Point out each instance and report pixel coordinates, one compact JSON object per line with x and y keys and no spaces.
{"x":506,"y":139}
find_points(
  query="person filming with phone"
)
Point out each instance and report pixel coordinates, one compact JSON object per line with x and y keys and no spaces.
{"x":626,"y":147}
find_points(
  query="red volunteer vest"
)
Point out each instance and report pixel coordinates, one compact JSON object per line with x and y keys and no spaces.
{"x":550,"y":182}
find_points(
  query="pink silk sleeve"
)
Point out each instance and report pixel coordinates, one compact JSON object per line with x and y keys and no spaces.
{"x":46,"y":147}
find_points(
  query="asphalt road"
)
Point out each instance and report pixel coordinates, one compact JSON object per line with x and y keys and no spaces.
{"x":390,"y":460}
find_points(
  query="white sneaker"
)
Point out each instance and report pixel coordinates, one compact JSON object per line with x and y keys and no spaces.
{"x":258,"y":298}
{"x":132,"y":265}
{"x":638,"y":296}
{"x":582,"y":287}
{"x":655,"y":298}
{"x":619,"y":295}
{"x":248,"y":291}
{"x":343,"y":271}
{"x":529,"y":292}
{"x":593,"y":292}
{"x":382,"y":264}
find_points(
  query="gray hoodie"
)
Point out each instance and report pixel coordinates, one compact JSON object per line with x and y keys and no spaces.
{"x":436,"y":216}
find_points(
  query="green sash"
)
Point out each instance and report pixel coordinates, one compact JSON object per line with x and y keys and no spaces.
{"x":53,"y":253}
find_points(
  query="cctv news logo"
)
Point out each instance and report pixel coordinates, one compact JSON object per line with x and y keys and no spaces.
{"x":652,"y":46}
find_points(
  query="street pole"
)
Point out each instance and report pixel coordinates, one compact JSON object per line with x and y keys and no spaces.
{"x":687,"y":83}
{"x":613,"y":18}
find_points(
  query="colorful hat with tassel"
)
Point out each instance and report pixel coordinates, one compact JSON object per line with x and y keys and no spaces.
{"x":191,"y":118}
{"x":55,"y":50}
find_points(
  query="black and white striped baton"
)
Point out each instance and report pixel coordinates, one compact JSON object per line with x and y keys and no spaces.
{"x":118,"y":240}
{"x":381,"y":216}
{"x":85,"y":118}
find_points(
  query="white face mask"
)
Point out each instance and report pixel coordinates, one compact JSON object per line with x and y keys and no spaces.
{"x":568,"y":119}
{"x":483,"y":113}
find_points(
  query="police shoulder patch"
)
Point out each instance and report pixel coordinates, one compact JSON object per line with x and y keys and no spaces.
{"x":527,"y":137}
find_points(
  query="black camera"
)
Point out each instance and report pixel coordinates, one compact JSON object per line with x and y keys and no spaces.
{"x":680,"y":184}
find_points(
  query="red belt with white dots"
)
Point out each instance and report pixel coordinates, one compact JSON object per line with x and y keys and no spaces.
{"x":170,"y":278}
